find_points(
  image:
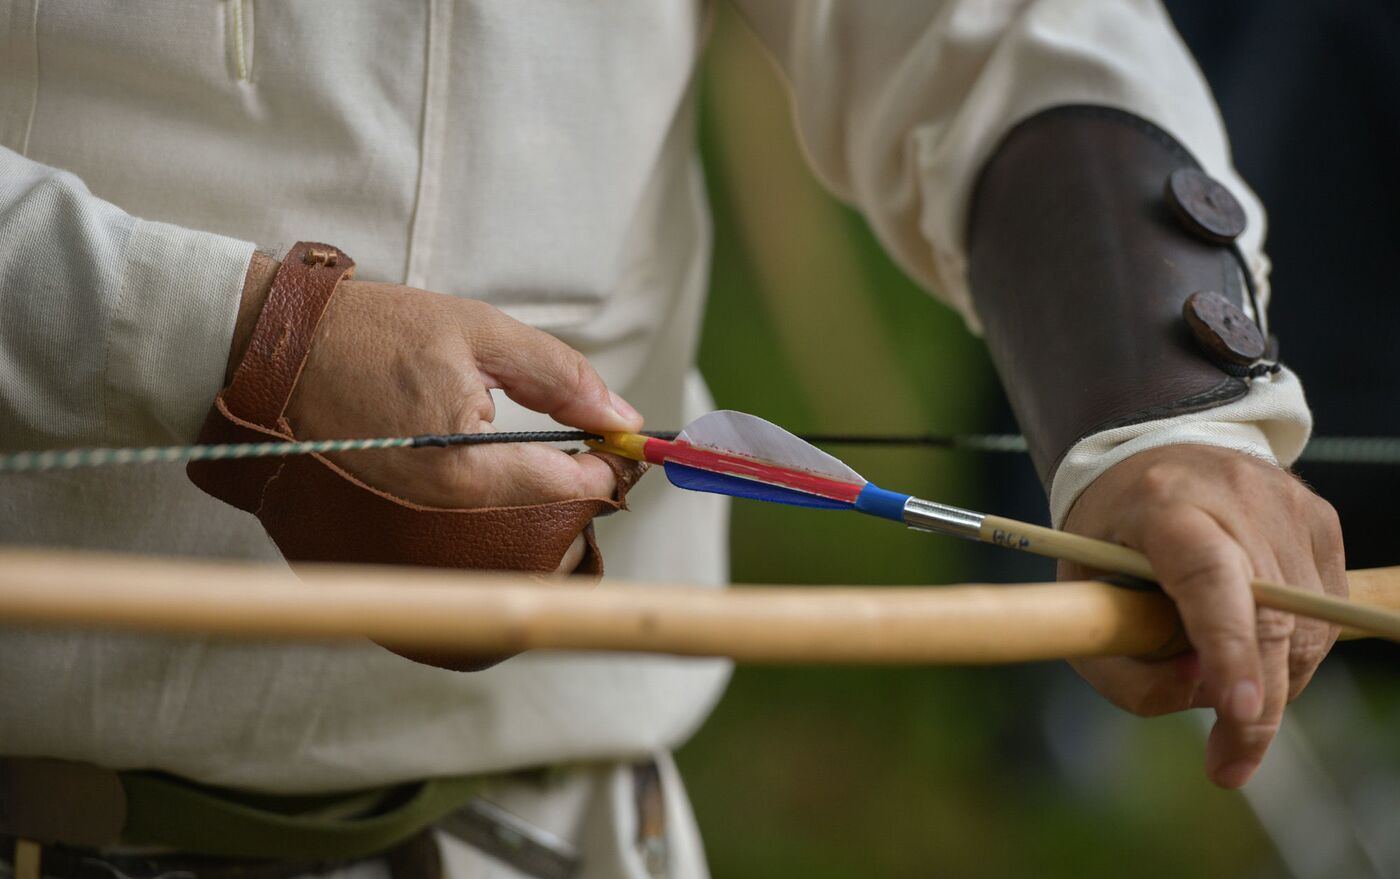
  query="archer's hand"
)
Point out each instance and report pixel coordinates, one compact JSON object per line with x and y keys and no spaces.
{"x":389,"y":360}
{"x":1210,"y":519}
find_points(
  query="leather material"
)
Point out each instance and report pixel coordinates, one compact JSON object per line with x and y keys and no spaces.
{"x":1079,"y":270}
{"x":315,"y":511}
{"x":263,"y":381}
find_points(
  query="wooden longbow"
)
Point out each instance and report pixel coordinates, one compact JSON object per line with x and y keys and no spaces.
{"x":504,"y":613}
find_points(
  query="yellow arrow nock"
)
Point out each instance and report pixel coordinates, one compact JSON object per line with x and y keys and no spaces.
{"x":628,"y":445}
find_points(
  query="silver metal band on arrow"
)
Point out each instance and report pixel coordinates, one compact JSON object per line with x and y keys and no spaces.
{"x":942,"y":518}
{"x":1327,"y":449}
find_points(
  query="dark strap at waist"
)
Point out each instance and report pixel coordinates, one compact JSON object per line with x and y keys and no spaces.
{"x":415,"y":858}
{"x":83,"y":806}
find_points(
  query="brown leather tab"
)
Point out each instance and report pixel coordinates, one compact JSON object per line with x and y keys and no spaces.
{"x":263,"y":382}
{"x":315,"y":511}
{"x":1079,"y":269}
{"x":60,"y":802}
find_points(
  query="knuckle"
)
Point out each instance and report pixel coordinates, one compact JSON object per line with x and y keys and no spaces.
{"x":583,"y":373}
{"x":1210,"y":567}
{"x":1309,"y":645}
{"x":1256,"y":736}
{"x":1239,"y":473}
{"x":480,"y":322}
{"x":1328,"y":516}
{"x":1300,"y":499}
{"x":469,"y":406}
{"x":1329,"y":524}
{"x":1159,"y":482}
{"x":1221,"y":638}
{"x":477,"y":313}
{"x":1273,"y":625}
{"x":557,"y":485}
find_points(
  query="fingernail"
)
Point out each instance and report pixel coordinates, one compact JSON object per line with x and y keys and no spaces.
{"x":1245,"y":702}
{"x":624,"y":409}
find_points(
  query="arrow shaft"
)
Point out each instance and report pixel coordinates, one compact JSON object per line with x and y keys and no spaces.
{"x":928,"y":515}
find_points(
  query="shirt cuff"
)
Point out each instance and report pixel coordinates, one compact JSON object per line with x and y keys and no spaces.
{"x":1271,"y":422}
{"x":171,"y":331}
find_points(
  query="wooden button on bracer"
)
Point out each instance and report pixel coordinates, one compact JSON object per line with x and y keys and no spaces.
{"x":1204,"y":206}
{"x":1225,"y":332}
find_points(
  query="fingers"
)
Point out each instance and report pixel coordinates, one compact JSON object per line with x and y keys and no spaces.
{"x":1236,"y":747}
{"x":1207,"y":573}
{"x":511,"y":475}
{"x":531,"y":473}
{"x":572,"y":556}
{"x":1210,"y":520}
{"x":1148,"y":688}
{"x":392,"y":361}
{"x":1312,"y":639}
{"x":542,"y":373}
{"x":1145,"y":688}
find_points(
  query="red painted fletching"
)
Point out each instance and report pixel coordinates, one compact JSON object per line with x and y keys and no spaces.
{"x":659,"y":451}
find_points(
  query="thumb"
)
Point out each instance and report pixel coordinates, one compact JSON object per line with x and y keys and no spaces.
{"x":540,"y":372}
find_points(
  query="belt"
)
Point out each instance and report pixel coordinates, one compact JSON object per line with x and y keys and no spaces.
{"x":70,"y":814}
{"x":415,"y":858}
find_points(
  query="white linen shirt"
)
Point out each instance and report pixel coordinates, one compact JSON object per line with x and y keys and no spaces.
{"x":536,"y":155}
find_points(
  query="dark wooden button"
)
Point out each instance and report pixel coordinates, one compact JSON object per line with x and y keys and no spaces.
{"x":1204,"y":206}
{"x":1226,"y":333}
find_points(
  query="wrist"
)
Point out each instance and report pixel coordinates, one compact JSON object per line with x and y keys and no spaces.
{"x":1271,"y":423}
{"x":262,"y":269}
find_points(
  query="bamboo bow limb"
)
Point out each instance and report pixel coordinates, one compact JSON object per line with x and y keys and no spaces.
{"x":502,"y":613}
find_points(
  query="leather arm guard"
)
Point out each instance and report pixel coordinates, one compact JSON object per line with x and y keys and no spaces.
{"x":1103,"y":265}
{"x":315,"y":511}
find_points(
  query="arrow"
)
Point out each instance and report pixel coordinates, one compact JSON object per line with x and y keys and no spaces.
{"x":741,"y":455}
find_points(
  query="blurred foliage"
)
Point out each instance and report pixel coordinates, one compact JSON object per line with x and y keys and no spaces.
{"x":859,"y":772}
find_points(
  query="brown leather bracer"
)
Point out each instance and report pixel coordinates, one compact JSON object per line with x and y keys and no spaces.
{"x":1090,"y":229}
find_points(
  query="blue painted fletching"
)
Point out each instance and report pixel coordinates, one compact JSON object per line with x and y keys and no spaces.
{"x":719,"y":483}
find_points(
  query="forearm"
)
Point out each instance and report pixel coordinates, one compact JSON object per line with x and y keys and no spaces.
{"x":114,"y":327}
{"x":1081,"y":263}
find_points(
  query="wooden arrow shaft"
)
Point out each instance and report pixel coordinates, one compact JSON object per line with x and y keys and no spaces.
{"x":1105,"y":556}
{"x":501,"y":613}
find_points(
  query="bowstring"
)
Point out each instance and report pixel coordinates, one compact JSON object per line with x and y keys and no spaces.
{"x":1333,"y":450}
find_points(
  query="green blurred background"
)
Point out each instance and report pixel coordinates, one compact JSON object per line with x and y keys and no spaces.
{"x":897,"y":772}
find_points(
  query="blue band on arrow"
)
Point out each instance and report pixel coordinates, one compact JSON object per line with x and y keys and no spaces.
{"x":878,"y":502}
{"x":720,"y":483}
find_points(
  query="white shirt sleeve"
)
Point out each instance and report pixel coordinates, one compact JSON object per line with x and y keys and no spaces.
{"x":900,"y":103}
{"x":113,"y":329}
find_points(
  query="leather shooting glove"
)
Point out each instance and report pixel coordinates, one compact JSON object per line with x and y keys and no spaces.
{"x":317,"y":510}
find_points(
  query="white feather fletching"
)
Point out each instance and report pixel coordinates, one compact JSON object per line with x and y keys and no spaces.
{"x":745,"y":434}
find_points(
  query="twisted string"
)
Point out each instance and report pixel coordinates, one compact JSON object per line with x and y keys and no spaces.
{"x":1334,"y":450}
